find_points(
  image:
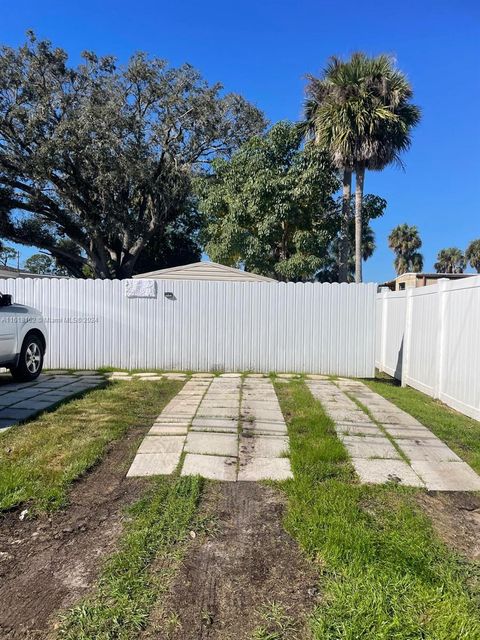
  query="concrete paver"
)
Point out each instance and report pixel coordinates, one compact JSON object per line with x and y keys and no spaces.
{"x":203,"y":422}
{"x":435,"y":465}
{"x":25,"y":400}
{"x":153,"y":464}
{"x":218,"y":444}
{"x":265,"y":469}
{"x":210,"y":467}
{"x":447,"y":476}
{"x":162,"y":444}
{"x":379,"y":471}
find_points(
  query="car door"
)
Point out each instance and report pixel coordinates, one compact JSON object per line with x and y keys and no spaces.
{"x":8,"y":333}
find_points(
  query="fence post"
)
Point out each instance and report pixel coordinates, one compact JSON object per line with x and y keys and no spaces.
{"x":407,"y":336}
{"x":384,"y":328}
{"x":442,"y":302}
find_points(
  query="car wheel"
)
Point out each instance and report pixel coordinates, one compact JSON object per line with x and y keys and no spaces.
{"x":30,"y":361}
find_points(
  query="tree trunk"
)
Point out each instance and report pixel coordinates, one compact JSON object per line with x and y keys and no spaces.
{"x":344,"y":229}
{"x":359,"y":179}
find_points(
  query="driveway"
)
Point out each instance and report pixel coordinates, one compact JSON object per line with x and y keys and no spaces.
{"x":223,"y":428}
{"x":23,"y":400}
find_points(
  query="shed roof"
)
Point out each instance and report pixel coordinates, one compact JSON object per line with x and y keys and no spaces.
{"x":205,"y":270}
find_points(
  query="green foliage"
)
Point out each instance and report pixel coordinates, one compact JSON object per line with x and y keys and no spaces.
{"x":450,"y":260}
{"x":405,"y":241}
{"x":6,"y":254}
{"x":472,"y":254}
{"x":44,"y":264}
{"x":384,"y":573}
{"x":360,"y":111}
{"x":271,"y":208}
{"x":102,"y":154}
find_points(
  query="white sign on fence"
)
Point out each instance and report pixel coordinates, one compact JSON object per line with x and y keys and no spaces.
{"x":205,"y":325}
{"x":429,"y":338}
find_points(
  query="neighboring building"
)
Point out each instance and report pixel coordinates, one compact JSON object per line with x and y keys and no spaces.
{"x":204,"y":271}
{"x":11,"y":272}
{"x":413,"y":280}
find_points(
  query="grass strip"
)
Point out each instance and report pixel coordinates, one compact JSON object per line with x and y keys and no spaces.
{"x":128,"y":589}
{"x":40,"y":459}
{"x":461,"y":433}
{"x":384,"y":573}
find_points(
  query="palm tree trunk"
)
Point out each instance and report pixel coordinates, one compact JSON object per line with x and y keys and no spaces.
{"x":344,"y":227}
{"x":359,"y":179}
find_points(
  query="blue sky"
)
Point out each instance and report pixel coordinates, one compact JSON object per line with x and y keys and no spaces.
{"x":263,"y":50}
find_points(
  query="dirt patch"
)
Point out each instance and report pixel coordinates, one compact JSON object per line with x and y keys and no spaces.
{"x":48,"y":563}
{"x":456,"y":519}
{"x":247,"y":563}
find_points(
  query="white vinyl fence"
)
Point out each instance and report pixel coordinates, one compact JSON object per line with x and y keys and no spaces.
{"x":429,"y":338}
{"x":201,"y":325}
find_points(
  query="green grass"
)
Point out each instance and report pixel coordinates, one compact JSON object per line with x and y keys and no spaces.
{"x":128,"y":589}
{"x":384,"y":573}
{"x":40,"y":459}
{"x":462,"y":434}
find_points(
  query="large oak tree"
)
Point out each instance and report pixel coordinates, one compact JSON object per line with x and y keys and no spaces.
{"x":102,"y":154}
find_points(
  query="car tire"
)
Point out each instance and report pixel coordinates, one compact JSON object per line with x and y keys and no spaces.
{"x":30,"y":360}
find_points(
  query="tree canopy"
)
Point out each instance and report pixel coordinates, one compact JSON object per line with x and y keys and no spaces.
{"x":361,"y":111}
{"x":101,"y":154}
{"x":271,"y":207}
{"x":405,"y":241}
{"x":450,"y":260}
{"x":472,"y":254}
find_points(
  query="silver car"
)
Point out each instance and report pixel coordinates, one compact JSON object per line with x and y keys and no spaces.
{"x":23,"y":339}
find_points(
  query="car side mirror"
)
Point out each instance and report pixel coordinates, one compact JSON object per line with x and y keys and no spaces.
{"x":5,"y":300}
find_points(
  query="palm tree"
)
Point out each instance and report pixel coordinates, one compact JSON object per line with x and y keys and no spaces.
{"x":450,"y":260}
{"x":405,"y":242}
{"x":315,"y":90}
{"x":472,"y":254}
{"x":360,"y":111}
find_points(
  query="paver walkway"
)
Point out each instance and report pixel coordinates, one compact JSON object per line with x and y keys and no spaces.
{"x":23,"y":400}
{"x":393,"y":446}
{"x":224,"y":428}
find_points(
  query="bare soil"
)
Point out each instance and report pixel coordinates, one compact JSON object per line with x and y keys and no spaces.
{"x":246,"y":562}
{"x":456,"y":519}
{"x":48,"y":563}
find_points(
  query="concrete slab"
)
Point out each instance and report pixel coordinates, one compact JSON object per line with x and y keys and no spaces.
{"x":210,"y":467}
{"x":16,"y":414}
{"x":358,"y":430}
{"x":447,"y":476}
{"x":168,"y":430}
{"x":34,"y":404}
{"x":153,"y":464}
{"x":89,"y":372}
{"x":230,"y":375}
{"x":428,"y":450}
{"x":145,"y":374}
{"x":264,"y":428}
{"x":219,"y":444}
{"x":370,"y":447}
{"x":380,"y":471}
{"x":203,"y":375}
{"x":263,"y":446}
{"x":218,"y":423}
{"x":409,"y":432}
{"x":150,"y":378}
{"x":265,"y":469}
{"x":353,"y":416}
{"x":6,"y":424}
{"x":162,"y":444}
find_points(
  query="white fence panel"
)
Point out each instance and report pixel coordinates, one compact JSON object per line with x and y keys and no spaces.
{"x":315,"y":328}
{"x":434,"y":333}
